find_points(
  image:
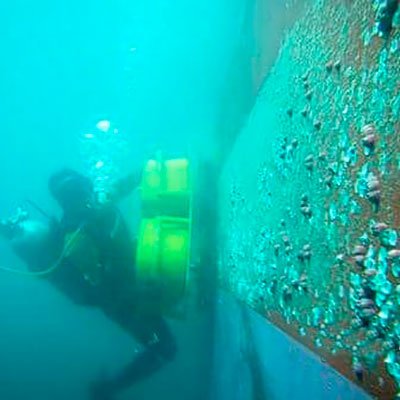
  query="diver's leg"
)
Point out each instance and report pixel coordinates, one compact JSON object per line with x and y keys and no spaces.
{"x":159,"y":347}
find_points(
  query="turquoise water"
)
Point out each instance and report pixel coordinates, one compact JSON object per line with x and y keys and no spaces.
{"x":156,"y":70}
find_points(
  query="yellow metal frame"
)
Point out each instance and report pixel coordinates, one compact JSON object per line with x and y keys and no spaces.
{"x":164,"y":242}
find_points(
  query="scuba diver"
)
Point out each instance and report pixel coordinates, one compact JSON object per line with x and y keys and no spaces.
{"x":89,"y":256}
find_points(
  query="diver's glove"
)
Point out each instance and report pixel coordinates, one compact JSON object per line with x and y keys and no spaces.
{"x":10,"y":227}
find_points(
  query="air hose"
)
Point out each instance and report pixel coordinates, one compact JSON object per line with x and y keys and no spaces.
{"x":67,"y":247}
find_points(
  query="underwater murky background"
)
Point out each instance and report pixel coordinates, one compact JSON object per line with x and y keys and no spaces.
{"x":290,"y":111}
{"x":155,"y":69}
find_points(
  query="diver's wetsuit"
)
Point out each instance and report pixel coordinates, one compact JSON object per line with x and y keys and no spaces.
{"x":114,"y":294}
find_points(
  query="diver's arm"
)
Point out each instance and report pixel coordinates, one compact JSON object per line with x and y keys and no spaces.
{"x":125,"y":186}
